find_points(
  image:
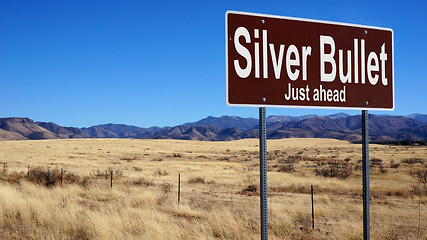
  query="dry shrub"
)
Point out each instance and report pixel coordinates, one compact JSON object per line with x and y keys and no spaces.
{"x":293,"y":188}
{"x":288,"y":165}
{"x":52,"y":177}
{"x":413,"y":161}
{"x":85,"y":181}
{"x":294,"y":159}
{"x":334,"y":168}
{"x":160,"y":173}
{"x":100,"y":173}
{"x":42,"y":177}
{"x":177,"y":155}
{"x":197,"y":180}
{"x":143,"y":182}
{"x":224,"y":158}
{"x":71,"y":178}
{"x":420,"y":175}
{"x":107,"y":173}
{"x":397,"y":193}
{"x":200,"y":180}
{"x":375,"y":161}
{"x":287,"y":168}
{"x":165,"y":189}
{"x":394,"y":165}
{"x":116,"y":172}
{"x":137,"y":169}
{"x":131,"y":158}
{"x":251,"y":188}
{"x":12,"y":177}
{"x":419,"y":190}
{"x":358,"y":167}
{"x":382,"y":170}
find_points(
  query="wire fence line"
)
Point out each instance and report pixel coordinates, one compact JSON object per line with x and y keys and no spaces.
{"x":20,"y":167}
{"x":323,"y":211}
{"x":320,"y":217}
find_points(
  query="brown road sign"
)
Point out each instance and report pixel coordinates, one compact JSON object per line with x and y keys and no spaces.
{"x":274,"y":61}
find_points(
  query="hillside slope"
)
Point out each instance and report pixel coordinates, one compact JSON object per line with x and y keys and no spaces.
{"x":337,"y":126}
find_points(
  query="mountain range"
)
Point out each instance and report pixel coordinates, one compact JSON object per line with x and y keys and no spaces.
{"x":341,"y":126}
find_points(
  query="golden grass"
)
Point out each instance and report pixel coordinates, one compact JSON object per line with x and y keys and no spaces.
{"x":143,"y":201}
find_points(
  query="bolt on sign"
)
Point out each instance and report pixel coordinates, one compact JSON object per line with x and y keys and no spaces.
{"x":274,"y":61}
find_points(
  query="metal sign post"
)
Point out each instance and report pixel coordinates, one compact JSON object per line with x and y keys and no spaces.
{"x":278,"y":61}
{"x":263,"y":172}
{"x":365,"y":175}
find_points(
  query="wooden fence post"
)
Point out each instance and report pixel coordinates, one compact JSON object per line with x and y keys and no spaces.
{"x":179,"y":188}
{"x":111,"y":183}
{"x":312,"y":207}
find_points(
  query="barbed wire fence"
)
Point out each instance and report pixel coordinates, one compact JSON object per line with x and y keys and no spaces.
{"x":323,"y":212}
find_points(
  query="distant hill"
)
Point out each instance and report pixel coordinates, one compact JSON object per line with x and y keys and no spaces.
{"x":227,"y":122}
{"x":421,"y":117}
{"x":338,"y":126}
{"x":276,"y":118}
{"x":63,"y":132}
{"x":8,"y":135}
{"x":120,"y":130}
{"x":22,"y":128}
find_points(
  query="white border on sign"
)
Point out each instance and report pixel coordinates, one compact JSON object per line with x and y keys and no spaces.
{"x":303,"y":20}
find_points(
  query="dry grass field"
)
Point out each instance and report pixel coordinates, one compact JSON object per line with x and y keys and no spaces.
{"x":219,"y":189}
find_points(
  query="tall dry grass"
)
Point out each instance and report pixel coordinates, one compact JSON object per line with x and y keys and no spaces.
{"x":143,"y":201}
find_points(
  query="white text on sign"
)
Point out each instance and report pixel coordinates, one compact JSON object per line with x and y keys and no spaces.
{"x":373,"y":64}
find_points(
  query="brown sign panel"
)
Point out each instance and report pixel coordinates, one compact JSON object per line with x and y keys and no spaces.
{"x":289,"y":62}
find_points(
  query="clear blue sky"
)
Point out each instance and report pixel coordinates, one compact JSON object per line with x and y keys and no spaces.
{"x":82,"y":63}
